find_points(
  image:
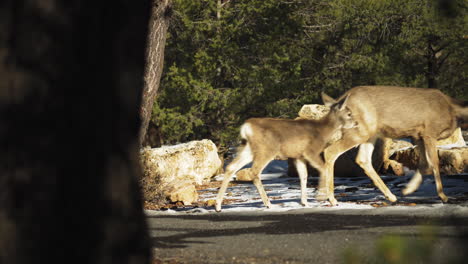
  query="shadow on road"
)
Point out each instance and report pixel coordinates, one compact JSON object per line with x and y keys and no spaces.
{"x":225,"y":225}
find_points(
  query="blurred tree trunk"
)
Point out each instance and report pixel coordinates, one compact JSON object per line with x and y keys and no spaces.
{"x":436,"y":55}
{"x":159,"y":23}
{"x":71,"y":78}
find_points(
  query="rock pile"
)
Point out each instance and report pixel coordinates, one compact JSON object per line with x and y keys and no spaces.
{"x":173,"y":171}
{"x":453,"y":155}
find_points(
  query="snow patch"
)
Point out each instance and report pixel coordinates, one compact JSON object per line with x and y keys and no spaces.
{"x":356,"y":194}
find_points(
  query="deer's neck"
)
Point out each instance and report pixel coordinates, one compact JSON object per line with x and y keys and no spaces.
{"x":328,"y":127}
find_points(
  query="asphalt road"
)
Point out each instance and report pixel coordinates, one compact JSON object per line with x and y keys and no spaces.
{"x":309,"y":236}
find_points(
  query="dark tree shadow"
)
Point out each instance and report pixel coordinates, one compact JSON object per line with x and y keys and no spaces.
{"x":71,"y":78}
{"x":295,"y":223}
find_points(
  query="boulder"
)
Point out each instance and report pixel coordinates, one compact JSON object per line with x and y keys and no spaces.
{"x":451,"y":161}
{"x":385,"y":151}
{"x":455,"y":140}
{"x":313,"y":111}
{"x":397,"y":144}
{"x":465,"y":133}
{"x":169,"y":167}
{"x":409,"y":157}
{"x":184,"y":192}
{"x":393,"y":167}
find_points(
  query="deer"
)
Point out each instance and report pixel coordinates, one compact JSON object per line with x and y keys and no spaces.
{"x":425,"y":115}
{"x":303,"y":140}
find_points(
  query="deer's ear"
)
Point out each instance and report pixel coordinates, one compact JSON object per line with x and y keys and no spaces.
{"x":327,"y":100}
{"x":342,"y":103}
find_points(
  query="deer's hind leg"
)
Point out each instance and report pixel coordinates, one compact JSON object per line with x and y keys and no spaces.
{"x":244,"y":157}
{"x":260,"y":162}
{"x":432,"y":158}
{"x":416,"y":180}
{"x":316,"y":161}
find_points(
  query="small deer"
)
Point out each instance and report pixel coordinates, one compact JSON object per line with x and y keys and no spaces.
{"x":302,"y":140}
{"x":426,"y":115}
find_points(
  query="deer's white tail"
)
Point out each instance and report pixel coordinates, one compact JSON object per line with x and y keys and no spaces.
{"x":246,"y":131}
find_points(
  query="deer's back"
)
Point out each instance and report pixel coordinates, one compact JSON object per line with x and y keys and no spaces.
{"x":401,"y":112}
{"x":284,"y":137}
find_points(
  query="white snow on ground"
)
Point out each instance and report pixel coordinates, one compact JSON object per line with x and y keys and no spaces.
{"x":352,"y":193}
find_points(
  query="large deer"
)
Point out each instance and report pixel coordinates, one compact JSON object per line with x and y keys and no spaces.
{"x":303,"y":140}
{"x":426,"y":115}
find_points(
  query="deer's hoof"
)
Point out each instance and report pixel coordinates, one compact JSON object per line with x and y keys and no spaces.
{"x":392,"y":198}
{"x":218,"y":208}
{"x":408,"y":190}
{"x":444,"y":198}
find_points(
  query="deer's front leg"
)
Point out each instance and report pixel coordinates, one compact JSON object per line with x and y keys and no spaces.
{"x":331,"y":154}
{"x":301,"y":167}
{"x":326,"y":182}
{"x":259,"y":164}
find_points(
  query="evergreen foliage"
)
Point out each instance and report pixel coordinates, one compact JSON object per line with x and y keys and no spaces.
{"x":230,"y":60}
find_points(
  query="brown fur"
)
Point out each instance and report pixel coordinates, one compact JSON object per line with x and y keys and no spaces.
{"x":302,"y":140}
{"x":426,"y":115}
{"x":289,"y":138}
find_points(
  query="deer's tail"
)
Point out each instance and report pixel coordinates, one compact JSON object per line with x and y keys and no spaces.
{"x":461,"y":109}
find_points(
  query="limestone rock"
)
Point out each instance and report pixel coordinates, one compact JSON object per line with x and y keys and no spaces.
{"x":383,"y":163}
{"x":196,"y":160}
{"x":394,"y":167}
{"x":451,"y":161}
{"x":408,"y":157}
{"x":397,"y":144}
{"x":314,"y":111}
{"x":465,"y":134}
{"x":455,"y":140}
{"x":166,"y":167}
{"x":184,"y":192}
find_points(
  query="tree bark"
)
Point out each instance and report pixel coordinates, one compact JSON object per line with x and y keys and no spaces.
{"x":71,"y":78}
{"x":432,"y":70}
{"x":159,"y":23}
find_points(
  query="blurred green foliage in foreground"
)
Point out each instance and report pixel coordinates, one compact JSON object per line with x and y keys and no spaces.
{"x":399,"y":249}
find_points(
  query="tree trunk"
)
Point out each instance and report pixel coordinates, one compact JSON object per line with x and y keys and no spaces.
{"x":158,"y":26}
{"x":432,"y":66}
{"x":71,"y":78}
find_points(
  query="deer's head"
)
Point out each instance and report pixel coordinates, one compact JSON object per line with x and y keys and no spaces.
{"x":340,"y":111}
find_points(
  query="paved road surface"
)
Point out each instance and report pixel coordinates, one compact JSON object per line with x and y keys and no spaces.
{"x":301,"y":236}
